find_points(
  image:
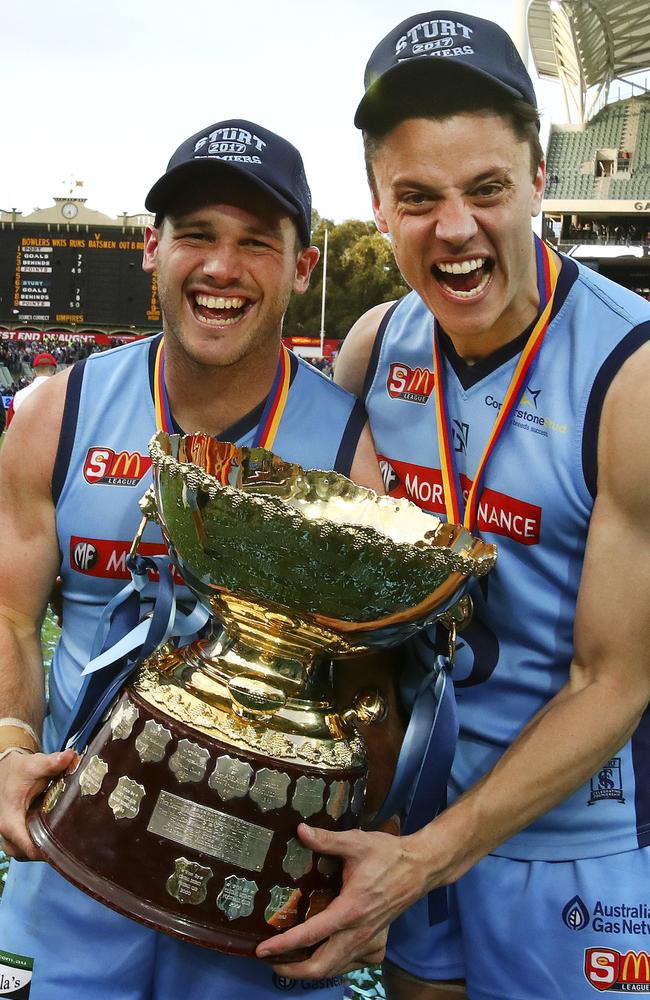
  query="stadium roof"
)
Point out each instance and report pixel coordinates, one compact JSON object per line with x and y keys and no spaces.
{"x":587,"y":44}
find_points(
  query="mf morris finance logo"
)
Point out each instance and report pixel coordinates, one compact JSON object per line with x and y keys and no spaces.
{"x":618,"y":972}
{"x":106,"y":467}
{"x":390,"y":477}
{"x":412,"y":384}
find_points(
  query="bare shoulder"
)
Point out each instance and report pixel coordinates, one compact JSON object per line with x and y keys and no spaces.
{"x":352,"y":362}
{"x":624,"y":473}
{"x":31,"y":442}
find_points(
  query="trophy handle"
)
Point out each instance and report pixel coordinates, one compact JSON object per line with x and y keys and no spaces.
{"x":382,"y":729}
{"x":149,"y":508}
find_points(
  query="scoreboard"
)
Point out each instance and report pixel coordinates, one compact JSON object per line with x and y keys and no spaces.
{"x":76,"y":275}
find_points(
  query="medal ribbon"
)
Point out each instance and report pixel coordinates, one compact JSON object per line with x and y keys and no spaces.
{"x":271,"y":418}
{"x":547,"y":275}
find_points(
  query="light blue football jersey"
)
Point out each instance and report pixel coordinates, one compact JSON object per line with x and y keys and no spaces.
{"x":536,"y":504}
{"x":103,"y":468}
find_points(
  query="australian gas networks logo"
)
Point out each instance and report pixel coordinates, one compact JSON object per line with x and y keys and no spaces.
{"x":607,"y":917}
{"x":529,"y":413}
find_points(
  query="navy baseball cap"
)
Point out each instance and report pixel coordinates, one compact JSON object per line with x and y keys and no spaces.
{"x":241,"y":147}
{"x":436,"y":40}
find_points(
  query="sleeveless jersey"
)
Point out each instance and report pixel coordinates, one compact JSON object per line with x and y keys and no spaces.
{"x":538,"y":495}
{"x":103,"y":468}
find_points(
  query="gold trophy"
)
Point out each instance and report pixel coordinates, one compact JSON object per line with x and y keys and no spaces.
{"x":183,"y":809}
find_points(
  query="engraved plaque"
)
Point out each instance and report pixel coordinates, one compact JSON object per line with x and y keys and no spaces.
{"x":338,"y":798}
{"x":328,"y":866}
{"x":308,"y":796}
{"x":358,"y":795}
{"x":92,"y":776}
{"x":282,"y":911}
{"x":270,"y":789}
{"x":124,"y":720}
{"x":237,"y":898}
{"x":231,"y":778}
{"x":125,"y":798}
{"x":233,"y":840}
{"x":189,"y":761}
{"x":52,"y":795}
{"x":152,"y":742}
{"x":189,"y":883}
{"x":318,"y":900}
{"x":298,"y":860}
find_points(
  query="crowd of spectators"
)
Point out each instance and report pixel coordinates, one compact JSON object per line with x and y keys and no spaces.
{"x":324,"y":365}
{"x":17,"y":355}
{"x":617,"y":230}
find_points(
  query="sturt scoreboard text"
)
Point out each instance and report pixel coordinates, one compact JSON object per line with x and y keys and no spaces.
{"x":74,"y":275}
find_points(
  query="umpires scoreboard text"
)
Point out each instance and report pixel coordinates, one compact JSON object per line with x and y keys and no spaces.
{"x":74,"y":275}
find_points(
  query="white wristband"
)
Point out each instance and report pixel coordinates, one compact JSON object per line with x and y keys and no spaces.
{"x":20,"y":724}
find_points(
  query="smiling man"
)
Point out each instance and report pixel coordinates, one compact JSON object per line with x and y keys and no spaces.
{"x":507,"y":391}
{"x":230,"y":245}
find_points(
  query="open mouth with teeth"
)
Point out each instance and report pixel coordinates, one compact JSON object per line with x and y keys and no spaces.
{"x":464,"y":278}
{"x":220,"y":310}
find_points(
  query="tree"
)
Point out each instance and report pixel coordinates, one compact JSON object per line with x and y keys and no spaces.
{"x":361,"y":273}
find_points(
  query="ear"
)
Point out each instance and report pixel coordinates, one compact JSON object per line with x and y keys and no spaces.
{"x":380,"y":218}
{"x":151,"y":240}
{"x":307,"y":261}
{"x":539,"y":183}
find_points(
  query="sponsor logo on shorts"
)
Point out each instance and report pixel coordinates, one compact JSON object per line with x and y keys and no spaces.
{"x":285,"y":985}
{"x":412,"y":384}
{"x":15,"y":975}
{"x":575,"y":914}
{"x":497,"y":512}
{"x":106,"y":467}
{"x":106,"y":558}
{"x":607,"y":784}
{"x":617,"y":972}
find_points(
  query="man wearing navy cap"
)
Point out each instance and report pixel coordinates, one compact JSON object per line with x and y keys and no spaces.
{"x":507,"y":391}
{"x":229,"y":246}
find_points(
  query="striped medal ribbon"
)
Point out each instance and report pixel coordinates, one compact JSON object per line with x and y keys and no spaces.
{"x":271,"y":418}
{"x":457,"y":513}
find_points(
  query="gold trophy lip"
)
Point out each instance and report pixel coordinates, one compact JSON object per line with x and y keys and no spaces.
{"x":468,"y":556}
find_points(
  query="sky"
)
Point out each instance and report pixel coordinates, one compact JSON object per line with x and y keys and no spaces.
{"x":103,"y":93}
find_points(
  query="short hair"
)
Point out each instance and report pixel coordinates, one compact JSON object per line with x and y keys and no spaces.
{"x":419,"y":97}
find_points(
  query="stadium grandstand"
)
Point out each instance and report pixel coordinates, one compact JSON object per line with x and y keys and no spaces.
{"x":597,"y":200}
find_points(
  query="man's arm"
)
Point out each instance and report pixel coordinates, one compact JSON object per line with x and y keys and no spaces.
{"x":589,"y":719}
{"x":365,"y":467}
{"x":30,"y":565}
{"x":350,"y":372}
{"x":352,"y":361}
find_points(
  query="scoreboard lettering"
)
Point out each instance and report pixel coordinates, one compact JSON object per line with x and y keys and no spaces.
{"x":90,"y":276}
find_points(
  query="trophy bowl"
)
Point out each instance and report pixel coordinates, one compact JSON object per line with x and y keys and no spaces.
{"x":182,"y":809}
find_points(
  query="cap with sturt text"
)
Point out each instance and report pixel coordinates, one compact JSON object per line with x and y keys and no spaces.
{"x":428,"y":44}
{"x":239,"y":147}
